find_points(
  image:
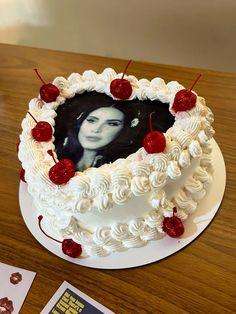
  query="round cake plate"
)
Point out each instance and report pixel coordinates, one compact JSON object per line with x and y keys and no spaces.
{"x":154,"y":250}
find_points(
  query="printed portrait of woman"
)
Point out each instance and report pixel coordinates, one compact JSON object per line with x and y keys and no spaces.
{"x":92,"y":129}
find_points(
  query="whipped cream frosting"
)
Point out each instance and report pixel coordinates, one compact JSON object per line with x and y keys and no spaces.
{"x":97,"y":191}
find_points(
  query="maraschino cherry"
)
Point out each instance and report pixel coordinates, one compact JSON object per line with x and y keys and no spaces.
{"x":154,"y":141}
{"x":62,"y":171}
{"x":173,"y":226}
{"x":22,"y":175}
{"x":121,"y":88}
{"x":42,"y":132}
{"x":48,"y":92}
{"x":185,"y":99}
{"x":69,"y":247}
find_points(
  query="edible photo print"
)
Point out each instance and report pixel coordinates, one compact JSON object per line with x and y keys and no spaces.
{"x":70,"y":300}
{"x":14,"y":285}
{"x":92,"y":129}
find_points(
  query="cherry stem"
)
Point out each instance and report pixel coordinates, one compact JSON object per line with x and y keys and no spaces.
{"x":174,"y":210}
{"x":150,"y":121}
{"x":32,"y":117}
{"x":195,"y":82}
{"x":40,"y":226}
{"x":50,"y":152}
{"x":126,"y":68}
{"x":40,"y":77}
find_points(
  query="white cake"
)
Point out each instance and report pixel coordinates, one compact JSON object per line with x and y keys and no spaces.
{"x":120,"y":204}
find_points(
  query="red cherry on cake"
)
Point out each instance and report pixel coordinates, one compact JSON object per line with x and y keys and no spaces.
{"x":22,"y":175}
{"x":42,"y":132}
{"x":48,"y":92}
{"x":173,"y":226}
{"x":154,"y":141}
{"x":184,"y":99}
{"x":121,"y":88}
{"x":69,"y":247}
{"x":62,"y":171}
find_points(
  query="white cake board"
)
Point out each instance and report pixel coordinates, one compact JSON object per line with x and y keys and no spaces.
{"x":154,"y":250}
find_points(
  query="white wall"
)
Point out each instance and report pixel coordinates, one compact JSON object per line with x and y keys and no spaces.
{"x":184,"y":32}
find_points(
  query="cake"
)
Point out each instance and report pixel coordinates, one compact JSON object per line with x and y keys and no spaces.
{"x":117,"y":192}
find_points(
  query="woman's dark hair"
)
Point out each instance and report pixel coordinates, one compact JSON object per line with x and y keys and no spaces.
{"x":74,"y":111}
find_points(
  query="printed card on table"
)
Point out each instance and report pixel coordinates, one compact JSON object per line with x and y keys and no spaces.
{"x":69,"y":300}
{"x":14,"y":285}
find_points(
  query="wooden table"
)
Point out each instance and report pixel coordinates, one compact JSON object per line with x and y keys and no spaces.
{"x":198,"y":279}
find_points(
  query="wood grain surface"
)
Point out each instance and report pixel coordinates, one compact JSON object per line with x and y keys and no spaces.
{"x":198,"y":279}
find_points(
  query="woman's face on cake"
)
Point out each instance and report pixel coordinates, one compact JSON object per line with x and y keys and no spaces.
{"x":100,"y":128}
